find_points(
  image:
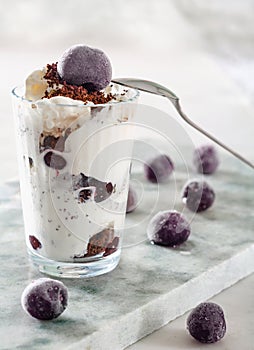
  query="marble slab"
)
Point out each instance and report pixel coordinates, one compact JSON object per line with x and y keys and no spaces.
{"x":152,"y":285}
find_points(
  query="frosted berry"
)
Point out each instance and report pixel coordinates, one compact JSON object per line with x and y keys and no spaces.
{"x":51,"y":142}
{"x":206,"y":323}
{"x":45,"y":298}
{"x":198,"y":196}
{"x":206,"y":159}
{"x":86,"y":66}
{"x":103,"y":190}
{"x":168,"y":228}
{"x":85,"y":195}
{"x":35,"y":243}
{"x":54,"y":161}
{"x":158,"y":169}
{"x":132,"y":199}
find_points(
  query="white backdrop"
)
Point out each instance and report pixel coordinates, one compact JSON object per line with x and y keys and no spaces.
{"x":202,"y":50}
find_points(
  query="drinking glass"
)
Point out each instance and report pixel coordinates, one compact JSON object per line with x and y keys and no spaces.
{"x":74,"y":162}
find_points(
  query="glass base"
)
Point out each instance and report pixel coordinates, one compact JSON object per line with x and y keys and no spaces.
{"x":75,"y":270}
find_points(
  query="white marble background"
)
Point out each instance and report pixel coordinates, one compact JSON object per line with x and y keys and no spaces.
{"x":203,"y":50}
{"x":228,"y":33}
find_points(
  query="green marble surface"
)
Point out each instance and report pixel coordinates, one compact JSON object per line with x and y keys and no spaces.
{"x":151,"y":286}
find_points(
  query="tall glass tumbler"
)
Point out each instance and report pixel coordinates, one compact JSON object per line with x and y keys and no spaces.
{"x":74,"y":162}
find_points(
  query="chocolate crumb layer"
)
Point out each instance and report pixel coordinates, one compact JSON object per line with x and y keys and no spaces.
{"x":99,"y":242}
{"x":112,"y":246}
{"x":52,"y":76}
{"x":61,"y":88}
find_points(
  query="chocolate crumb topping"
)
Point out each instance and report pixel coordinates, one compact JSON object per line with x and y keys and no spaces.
{"x":61,"y":88}
{"x":52,"y":76}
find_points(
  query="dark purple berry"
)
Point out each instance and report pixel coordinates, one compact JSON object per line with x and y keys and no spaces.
{"x":85,"y":195}
{"x":206,"y":323}
{"x":45,"y":298}
{"x":206,"y":159}
{"x":109,"y":187}
{"x":158,"y":169}
{"x":51,"y":142}
{"x":54,"y":161}
{"x":103,"y":190}
{"x":35,"y":243}
{"x":198,"y":196}
{"x":86,"y":66}
{"x":168,"y":228}
{"x":80,"y":181}
{"x":132,"y":200}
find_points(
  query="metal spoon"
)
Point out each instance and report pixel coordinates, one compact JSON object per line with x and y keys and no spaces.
{"x":157,"y":89}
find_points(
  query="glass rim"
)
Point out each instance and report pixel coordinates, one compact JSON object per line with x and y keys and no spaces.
{"x":110,"y":103}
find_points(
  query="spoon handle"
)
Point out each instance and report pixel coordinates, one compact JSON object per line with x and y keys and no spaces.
{"x":190,"y":122}
{"x":154,"y":88}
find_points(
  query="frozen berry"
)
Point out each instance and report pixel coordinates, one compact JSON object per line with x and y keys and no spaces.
{"x":80,"y":181}
{"x":206,"y":159}
{"x":35,"y":243}
{"x":158,"y":169}
{"x":206,"y":323}
{"x":51,"y":142}
{"x":168,"y":228}
{"x":86,"y":66}
{"x":54,"y":161}
{"x":198,"y":196}
{"x":85,"y":195}
{"x":45,"y":298}
{"x":103,"y":190}
{"x":132,"y":200}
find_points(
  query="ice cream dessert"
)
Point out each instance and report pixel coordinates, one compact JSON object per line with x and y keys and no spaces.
{"x":75,"y":146}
